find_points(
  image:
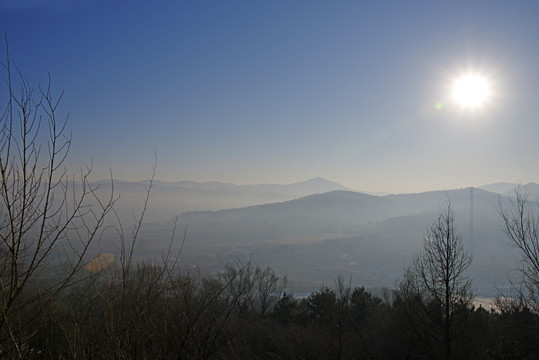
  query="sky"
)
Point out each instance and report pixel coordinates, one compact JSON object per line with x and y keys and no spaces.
{"x":281,"y":91}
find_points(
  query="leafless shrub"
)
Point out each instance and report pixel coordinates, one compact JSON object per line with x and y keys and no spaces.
{"x":521,"y":225}
{"x":46,"y":221}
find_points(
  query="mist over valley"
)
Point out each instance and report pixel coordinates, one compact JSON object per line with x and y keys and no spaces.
{"x":316,"y":230}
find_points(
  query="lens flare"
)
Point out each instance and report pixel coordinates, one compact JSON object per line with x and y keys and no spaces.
{"x":100,"y":262}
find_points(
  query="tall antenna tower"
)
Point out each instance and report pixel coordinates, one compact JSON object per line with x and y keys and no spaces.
{"x":471,"y":217}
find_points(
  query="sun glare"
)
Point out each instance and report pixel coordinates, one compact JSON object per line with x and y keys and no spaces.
{"x":471,"y":91}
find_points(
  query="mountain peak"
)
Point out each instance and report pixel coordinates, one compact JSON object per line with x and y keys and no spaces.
{"x":321,"y":180}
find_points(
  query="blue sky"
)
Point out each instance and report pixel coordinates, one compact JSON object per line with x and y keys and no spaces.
{"x":283,"y":91}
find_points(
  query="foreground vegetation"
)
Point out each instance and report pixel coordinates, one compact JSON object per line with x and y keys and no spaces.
{"x":157,"y":312}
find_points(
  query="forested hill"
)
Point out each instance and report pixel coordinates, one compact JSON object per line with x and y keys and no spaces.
{"x":341,"y":212}
{"x":342,"y":232}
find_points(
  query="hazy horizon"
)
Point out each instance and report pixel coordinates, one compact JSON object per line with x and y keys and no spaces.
{"x":280,"y":92}
{"x":512,"y":185}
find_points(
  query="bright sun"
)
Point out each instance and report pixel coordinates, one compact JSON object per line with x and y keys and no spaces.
{"x":471,"y":91}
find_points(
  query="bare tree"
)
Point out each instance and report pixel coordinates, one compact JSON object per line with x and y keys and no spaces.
{"x":521,"y":225}
{"x":252,"y":289}
{"x":435,"y":286}
{"x":269,"y":288}
{"x":46,"y":217}
{"x":342,"y":309}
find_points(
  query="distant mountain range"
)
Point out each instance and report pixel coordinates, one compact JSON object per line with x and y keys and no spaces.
{"x":315,"y":230}
{"x":336,"y":213}
{"x":169,"y":199}
{"x":369,"y":237}
{"x":532,"y":189}
{"x":308,"y":187}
